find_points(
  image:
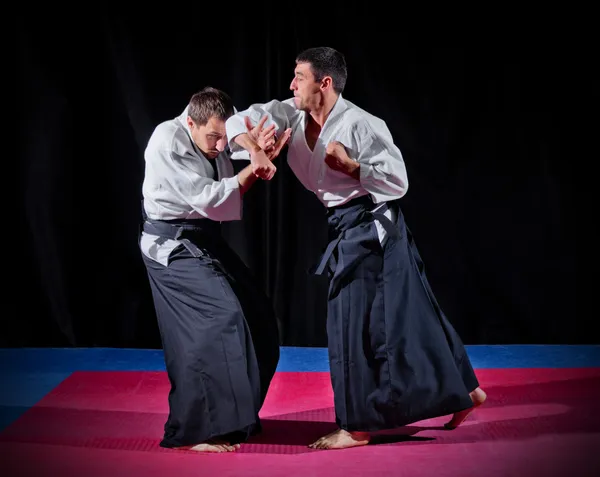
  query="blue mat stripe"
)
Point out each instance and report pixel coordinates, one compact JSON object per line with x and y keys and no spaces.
{"x":21,"y":390}
{"x":51,"y":360}
{"x":28,"y":374}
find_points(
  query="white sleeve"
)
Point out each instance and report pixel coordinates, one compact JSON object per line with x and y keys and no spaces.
{"x":177,"y":183}
{"x":216,"y":200}
{"x":382,"y":168}
{"x":279,"y":113}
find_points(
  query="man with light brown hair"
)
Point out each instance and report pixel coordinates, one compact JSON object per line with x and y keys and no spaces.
{"x":218,"y":328}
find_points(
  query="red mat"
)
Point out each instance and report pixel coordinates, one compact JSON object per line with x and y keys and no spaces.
{"x":109,"y":424}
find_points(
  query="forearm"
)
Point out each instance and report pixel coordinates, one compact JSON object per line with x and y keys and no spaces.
{"x":387,"y":182}
{"x":244,"y":140}
{"x":246,"y":179}
{"x":278,"y":114}
{"x":382,"y":170}
{"x":354,"y":170}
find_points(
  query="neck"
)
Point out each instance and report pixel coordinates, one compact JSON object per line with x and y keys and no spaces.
{"x":321,"y":113}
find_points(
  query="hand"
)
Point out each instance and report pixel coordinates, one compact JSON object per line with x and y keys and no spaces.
{"x":261,"y":164}
{"x":265,"y":138}
{"x":274,"y":151}
{"x":261,"y":160}
{"x":337,"y":158}
{"x":268,"y":148}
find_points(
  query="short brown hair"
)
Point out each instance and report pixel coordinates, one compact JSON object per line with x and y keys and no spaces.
{"x":210,"y":102}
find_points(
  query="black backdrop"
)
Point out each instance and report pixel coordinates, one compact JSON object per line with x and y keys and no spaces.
{"x":490,"y":197}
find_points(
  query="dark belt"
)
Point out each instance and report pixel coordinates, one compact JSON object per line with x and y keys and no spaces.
{"x":389,"y":227}
{"x":181,"y":230}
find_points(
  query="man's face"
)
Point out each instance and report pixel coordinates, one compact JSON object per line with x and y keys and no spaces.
{"x":210,"y":137}
{"x":306,"y":90}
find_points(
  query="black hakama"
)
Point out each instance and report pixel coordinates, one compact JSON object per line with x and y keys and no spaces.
{"x":394,"y":356}
{"x":219,"y":336}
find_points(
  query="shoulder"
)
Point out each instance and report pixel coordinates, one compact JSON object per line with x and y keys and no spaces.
{"x":170,"y":137}
{"x":364,"y":124}
{"x":361,"y":117}
{"x":287,"y":107}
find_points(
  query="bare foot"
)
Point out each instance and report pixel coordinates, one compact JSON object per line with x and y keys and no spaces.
{"x":478,"y":397}
{"x":213,"y":446}
{"x":341,"y":439}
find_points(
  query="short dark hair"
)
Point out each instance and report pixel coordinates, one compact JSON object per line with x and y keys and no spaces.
{"x":210,"y":102}
{"x":326,"y":61}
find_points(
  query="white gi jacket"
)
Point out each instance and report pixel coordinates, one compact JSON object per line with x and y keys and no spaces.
{"x":366,"y":137}
{"x":179,"y":184}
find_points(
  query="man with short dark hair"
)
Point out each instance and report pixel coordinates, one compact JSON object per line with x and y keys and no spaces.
{"x":394,"y":357}
{"x":218,"y":329}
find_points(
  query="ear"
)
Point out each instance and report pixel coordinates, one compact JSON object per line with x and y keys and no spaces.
{"x":326,"y":83}
{"x":190,"y":122}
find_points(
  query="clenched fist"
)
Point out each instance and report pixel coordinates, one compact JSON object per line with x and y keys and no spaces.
{"x":337,"y":158}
